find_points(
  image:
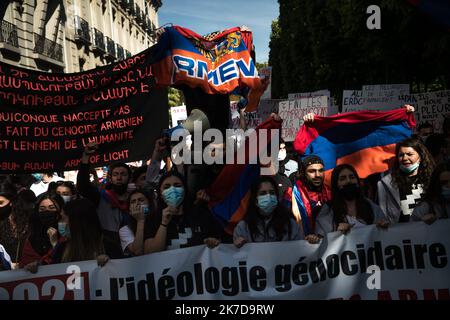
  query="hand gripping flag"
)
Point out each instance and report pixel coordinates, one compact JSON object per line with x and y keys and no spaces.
{"x":230,"y":191}
{"x":364,"y":139}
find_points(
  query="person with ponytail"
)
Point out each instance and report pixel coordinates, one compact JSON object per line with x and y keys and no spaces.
{"x":266,"y":219}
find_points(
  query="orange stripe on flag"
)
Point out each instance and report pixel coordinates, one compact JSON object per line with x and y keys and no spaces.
{"x":367,"y":161}
{"x":239,"y":214}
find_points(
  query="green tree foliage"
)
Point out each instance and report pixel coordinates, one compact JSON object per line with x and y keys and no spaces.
{"x":326,"y":44}
{"x":176,"y":97}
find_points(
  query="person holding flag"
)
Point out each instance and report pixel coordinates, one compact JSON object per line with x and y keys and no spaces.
{"x":309,"y":193}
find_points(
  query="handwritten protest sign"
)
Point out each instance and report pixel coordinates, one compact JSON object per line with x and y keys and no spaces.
{"x":292,"y":112}
{"x":178,"y":114}
{"x":266,"y":73}
{"x":318,"y":93}
{"x":374,"y":97}
{"x":332,"y":108}
{"x":266,"y":107}
{"x":253,"y":119}
{"x":431,"y":107}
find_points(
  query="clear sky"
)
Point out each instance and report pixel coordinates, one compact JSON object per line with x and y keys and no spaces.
{"x":205,"y":16}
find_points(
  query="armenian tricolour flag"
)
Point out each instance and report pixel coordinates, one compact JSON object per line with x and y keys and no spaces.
{"x":230,"y":192}
{"x":218,"y":64}
{"x":364,"y":139}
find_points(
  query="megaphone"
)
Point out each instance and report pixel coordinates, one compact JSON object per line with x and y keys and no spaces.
{"x":196,"y":115}
{"x":188,"y":124}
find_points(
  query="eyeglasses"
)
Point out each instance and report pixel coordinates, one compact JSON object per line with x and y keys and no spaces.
{"x":61,"y":182}
{"x":56,"y":184}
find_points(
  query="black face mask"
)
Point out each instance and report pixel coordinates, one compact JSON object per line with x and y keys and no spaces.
{"x":350,"y":191}
{"x":48,"y":218}
{"x":119,"y":188}
{"x":5,"y":212}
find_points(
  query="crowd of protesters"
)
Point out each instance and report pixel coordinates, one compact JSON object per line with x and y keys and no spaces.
{"x":124,"y":211}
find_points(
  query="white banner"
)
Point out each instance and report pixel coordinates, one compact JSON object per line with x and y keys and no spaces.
{"x":292,"y":112}
{"x":412,"y":260}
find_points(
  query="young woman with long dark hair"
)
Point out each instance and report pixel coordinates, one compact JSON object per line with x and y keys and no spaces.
{"x":43,"y":231}
{"x":266,"y":219}
{"x":84,"y":237}
{"x":179,"y":222}
{"x":348,"y":207}
{"x":140,"y":204}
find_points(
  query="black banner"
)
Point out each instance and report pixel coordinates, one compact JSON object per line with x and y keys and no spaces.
{"x":46,"y":119}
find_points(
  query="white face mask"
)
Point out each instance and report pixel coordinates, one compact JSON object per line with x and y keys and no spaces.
{"x":131,"y":187}
{"x":66,"y":198}
{"x":281,"y":155}
{"x":411,"y":168}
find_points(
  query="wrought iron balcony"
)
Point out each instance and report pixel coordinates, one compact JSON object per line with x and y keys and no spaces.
{"x":98,"y":40}
{"x":8,"y":34}
{"x":130,"y":6}
{"x":150,"y":28}
{"x":48,"y":48}
{"x":139,"y":14}
{"x":123,"y":3}
{"x":110,"y":47}
{"x":120,"y":53}
{"x":82,"y":30}
{"x":145,"y":21}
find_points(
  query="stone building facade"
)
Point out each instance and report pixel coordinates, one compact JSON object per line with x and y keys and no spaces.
{"x":75,"y":35}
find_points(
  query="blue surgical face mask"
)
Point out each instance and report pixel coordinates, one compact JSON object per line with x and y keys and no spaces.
{"x":37,"y":176}
{"x":173,"y":196}
{"x":63,"y":229}
{"x":267,"y":203}
{"x":445,"y":193}
{"x":411,"y":168}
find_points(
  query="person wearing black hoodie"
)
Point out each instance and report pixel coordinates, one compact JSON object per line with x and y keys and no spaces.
{"x":111,"y":201}
{"x":43,"y":231}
